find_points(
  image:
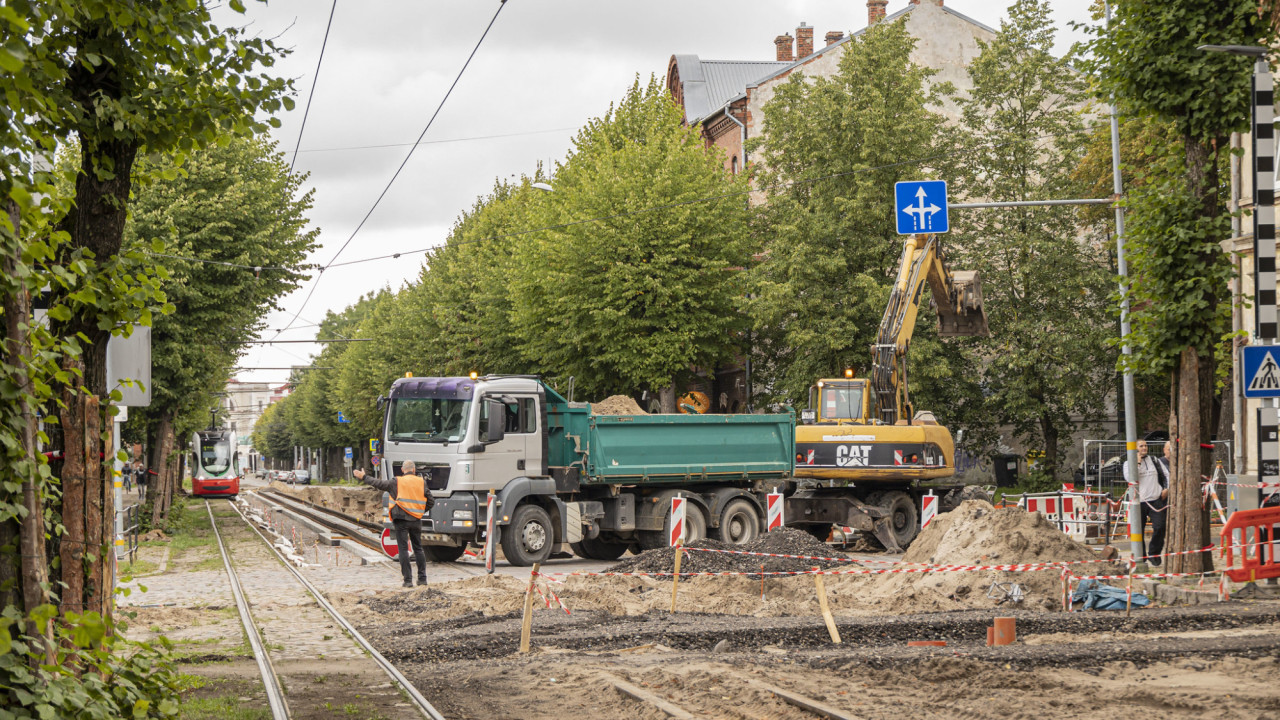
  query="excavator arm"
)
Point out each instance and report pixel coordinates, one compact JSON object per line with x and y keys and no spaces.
{"x":958,"y":299}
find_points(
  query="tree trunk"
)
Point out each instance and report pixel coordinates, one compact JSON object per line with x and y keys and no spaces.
{"x":160,"y":450}
{"x":31,"y":577}
{"x":667,"y":400}
{"x":75,"y":468}
{"x":1050,"y":433}
{"x":1184,"y":516}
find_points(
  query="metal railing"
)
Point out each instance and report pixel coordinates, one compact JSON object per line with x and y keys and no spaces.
{"x":1103,"y":466}
{"x":129,"y":533}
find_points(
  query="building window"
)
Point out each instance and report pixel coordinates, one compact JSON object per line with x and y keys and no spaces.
{"x":733,"y":165}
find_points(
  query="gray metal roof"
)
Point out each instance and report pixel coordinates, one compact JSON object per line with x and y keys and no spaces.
{"x":710,"y":84}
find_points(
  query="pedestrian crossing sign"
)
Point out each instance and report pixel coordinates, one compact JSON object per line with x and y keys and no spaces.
{"x":1261,"y":371}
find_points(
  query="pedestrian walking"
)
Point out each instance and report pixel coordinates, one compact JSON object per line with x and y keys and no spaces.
{"x":140,"y":476}
{"x":126,"y":476}
{"x":1153,"y":499}
{"x":410,"y":501}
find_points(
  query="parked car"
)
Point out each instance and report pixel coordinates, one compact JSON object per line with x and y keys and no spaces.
{"x":302,"y":477}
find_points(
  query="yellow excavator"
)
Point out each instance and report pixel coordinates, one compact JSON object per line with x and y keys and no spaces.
{"x":864,"y":433}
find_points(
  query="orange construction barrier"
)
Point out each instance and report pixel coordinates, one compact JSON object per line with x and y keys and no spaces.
{"x":1250,"y":531}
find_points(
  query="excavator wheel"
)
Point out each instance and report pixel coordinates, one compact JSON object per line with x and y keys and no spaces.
{"x":904,"y":517}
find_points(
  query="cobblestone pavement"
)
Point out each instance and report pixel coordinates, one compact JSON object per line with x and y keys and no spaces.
{"x":324,"y":672}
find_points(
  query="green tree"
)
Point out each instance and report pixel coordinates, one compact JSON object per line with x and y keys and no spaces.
{"x":1148,"y":58}
{"x":235,"y":209}
{"x":1046,"y":282}
{"x":832,"y":150}
{"x":124,"y":79}
{"x":638,"y":298}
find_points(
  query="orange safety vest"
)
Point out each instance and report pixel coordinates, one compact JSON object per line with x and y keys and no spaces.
{"x":411,"y":495}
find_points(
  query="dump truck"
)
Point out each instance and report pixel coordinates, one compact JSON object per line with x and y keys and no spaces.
{"x":562,"y":473}
{"x":864,"y":434}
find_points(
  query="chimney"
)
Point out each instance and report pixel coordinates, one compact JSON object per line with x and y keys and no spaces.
{"x":875,"y":11}
{"x":804,"y":41}
{"x":834,"y":37}
{"x":783,"y":42}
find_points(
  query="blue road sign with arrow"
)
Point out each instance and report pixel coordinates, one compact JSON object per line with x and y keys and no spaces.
{"x":921,"y":206}
{"x":342,"y":418}
{"x":1261,"y":371}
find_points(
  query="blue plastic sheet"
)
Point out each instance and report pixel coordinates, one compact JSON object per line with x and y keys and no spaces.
{"x":1097,"y":596}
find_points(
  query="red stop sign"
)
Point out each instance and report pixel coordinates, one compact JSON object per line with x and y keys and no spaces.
{"x":389,"y":545}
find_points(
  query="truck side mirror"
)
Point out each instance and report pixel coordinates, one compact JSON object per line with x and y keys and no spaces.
{"x":497,"y":428}
{"x":808,"y":417}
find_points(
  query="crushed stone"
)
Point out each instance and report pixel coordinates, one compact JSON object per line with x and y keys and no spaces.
{"x":786,"y":541}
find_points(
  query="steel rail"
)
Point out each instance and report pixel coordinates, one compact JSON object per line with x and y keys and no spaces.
{"x":355,"y":534}
{"x":375,"y":527}
{"x":271,"y":683}
{"x":423,"y":706}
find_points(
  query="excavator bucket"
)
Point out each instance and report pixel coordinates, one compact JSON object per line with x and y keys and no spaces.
{"x":964,"y":315}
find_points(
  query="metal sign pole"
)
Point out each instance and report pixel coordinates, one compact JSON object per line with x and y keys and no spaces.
{"x":1130,"y":417}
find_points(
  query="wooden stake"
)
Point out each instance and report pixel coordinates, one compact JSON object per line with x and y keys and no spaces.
{"x":675,"y":577}
{"x":826,"y":611}
{"x":762,"y":582}
{"x":1128,"y":599}
{"x":526,"y":625}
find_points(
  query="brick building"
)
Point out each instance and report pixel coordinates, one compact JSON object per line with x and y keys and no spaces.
{"x":727,"y":97}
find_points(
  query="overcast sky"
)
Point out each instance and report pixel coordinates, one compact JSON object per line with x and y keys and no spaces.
{"x":545,"y":68}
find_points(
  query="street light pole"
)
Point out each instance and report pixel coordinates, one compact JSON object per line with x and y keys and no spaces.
{"x":1130,"y":404}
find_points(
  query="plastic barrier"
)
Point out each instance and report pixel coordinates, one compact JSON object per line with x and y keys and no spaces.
{"x":1067,"y":510}
{"x":1256,"y":542}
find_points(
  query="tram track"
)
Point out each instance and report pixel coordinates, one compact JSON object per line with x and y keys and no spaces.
{"x":275,"y":694}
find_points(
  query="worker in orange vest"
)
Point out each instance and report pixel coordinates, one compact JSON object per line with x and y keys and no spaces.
{"x":410,"y":501}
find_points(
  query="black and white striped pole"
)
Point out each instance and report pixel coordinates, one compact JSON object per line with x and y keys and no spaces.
{"x":1264,"y":247}
{"x":1264,"y":256}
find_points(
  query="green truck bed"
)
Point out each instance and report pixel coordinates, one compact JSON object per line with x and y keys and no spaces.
{"x":667,"y":449}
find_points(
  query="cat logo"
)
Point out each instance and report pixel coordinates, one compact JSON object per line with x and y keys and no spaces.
{"x":852,"y":455}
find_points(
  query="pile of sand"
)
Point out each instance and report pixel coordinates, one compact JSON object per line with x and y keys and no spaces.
{"x":973,"y":534}
{"x":617,"y":405}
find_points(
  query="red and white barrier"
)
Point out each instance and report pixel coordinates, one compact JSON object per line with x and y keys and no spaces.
{"x":677,"y":521}
{"x":774,"y":507}
{"x":1071,"y":509}
{"x":928,"y":509}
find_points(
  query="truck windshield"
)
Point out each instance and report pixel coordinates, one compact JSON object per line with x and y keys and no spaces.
{"x":428,"y":420}
{"x":842,"y":403}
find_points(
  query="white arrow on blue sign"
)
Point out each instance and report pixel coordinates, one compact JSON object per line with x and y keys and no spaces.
{"x":921,"y":206}
{"x":342,"y":418}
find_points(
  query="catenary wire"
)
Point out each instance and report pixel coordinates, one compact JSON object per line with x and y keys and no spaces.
{"x":316,"y":282}
{"x":438,"y":142}
{"x":315,"y":80}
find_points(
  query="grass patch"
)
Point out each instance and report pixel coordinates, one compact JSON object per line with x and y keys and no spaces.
{"x":220,"y":707}
{"x":138,"y":568}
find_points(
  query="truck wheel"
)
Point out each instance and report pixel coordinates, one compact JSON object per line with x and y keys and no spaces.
{"x":529,"y":538}
{"x":739,"y":523}
{"x":695,"y":529}
{"x":903,"y":516}
{"x":442,"y":553}
{"x":597,"y":549}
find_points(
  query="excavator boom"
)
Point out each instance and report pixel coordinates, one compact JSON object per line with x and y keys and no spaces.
{"x":958,"y":298}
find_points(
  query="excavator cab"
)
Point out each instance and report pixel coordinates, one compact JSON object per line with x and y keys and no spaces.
{"x":838,"y":401}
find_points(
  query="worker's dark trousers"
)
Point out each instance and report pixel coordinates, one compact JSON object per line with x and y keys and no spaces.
{"x":1147,"y":511}
{"x":410,"y":532}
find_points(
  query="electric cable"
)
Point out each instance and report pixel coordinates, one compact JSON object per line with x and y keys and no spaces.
{"x":403,"y":163}
{"x":315,"y":80}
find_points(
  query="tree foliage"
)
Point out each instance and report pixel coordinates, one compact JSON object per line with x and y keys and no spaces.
{"x":1046,"y":280}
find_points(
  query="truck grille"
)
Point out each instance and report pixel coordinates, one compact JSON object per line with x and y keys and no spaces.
{"x":436,"y":476}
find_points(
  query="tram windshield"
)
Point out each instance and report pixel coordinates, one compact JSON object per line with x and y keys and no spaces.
{"x":434,"y":420}
{"x":215,"y":455}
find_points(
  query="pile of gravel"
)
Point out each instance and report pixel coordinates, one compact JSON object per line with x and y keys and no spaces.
{"x":787,"y":541}
{"x":417,"y":600}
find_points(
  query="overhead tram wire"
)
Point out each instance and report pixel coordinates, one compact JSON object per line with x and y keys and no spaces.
{"x":315,"y":80}
{"x":682,"y":203}
{"x":403,"y":163}
{"x":437,"y":142}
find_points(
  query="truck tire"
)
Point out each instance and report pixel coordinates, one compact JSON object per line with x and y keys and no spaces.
{"x":597,"y":549}
{"x":739,"y":523}
{"x":529,"y":538}
{"x":442,"y":553}
{"x":904,"y":518}
{"x":695,"y":529}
